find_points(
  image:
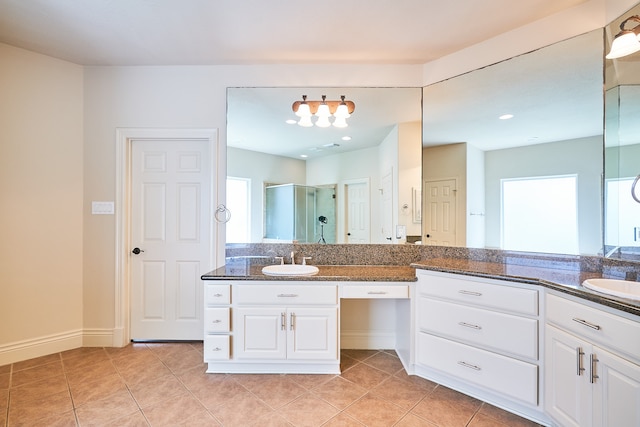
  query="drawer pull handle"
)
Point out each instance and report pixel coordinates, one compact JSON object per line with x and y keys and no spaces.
{"x":287,"y":295}
{"x":292,"y":321}
{"x":585,"y":323}
{"x":469,"y":365}
{"x":376,"y":293}
{"x":579,"y":354}
{"x":283,"y":321}
{"x":475,"y":294}
{"x":469,"y":325}
{"x":216,"y":321}
{"x":217,"y":295}
{"x":216,"y":349}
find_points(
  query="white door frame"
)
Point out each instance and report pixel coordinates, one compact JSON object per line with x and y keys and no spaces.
{"x":124,"y":139}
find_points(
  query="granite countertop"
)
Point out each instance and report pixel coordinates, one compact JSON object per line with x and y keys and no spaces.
{"x":568,"y":281}
{"x":248,"y":269}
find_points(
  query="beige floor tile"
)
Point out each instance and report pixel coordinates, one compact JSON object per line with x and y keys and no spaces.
{"x":5,"y":369}
{"x":310,"y":381}
{"x":148,"y":393}
{"x":217,"y":394}
{"x":446,"y":408}
{"x":65,"y":419}
{"x":127,"y":351}
{"x":277,"y":391}
{"x":411,"y":420}
{"x":144,"y":371}
{"x":272,"y":419}
{"x":343,"y":420}
{"x":132,"y":420}
{"x":91,"y":372}
{"x":180,"y":362}
{"x":308,"y":411}
{"x":373,"y":412}
{"x":72,"y":364}
{"x":502,"y":416}
{"x":364,"y":375}
{"x":97,"y":389}
{"x":5,"y":380}
{"x":401,"y":393}
{"x":36,"y":373}
{"x":175,"y":410}
{"x":39,"y":389}
{"x":167,"y":350}
{"x":243,"y":410}
{"x":30,"y":363}
{"x":413,"y":379}
{"x":385,"y":362}
{"x":340,"y":392}
{"x":30,"y":411}
{"x":118,"y":405}
{"x":347,"y":362}
{"x":359,"y":355}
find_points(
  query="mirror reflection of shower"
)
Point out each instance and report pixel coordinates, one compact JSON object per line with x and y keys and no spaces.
{"x":291,"y":214}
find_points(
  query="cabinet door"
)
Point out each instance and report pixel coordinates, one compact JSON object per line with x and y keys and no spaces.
{"x":568,"y":392}
{"x":259,"y":333}
{"x":312,"y":334}
{"x":616,"y":391}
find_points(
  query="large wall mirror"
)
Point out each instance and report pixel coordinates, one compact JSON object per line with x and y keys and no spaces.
{"x":513,"y":153}
{"x":354,"y":184}
{"x":622,"y":148}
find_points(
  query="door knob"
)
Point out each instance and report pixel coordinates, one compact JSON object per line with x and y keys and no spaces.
{"x":137,"y":250}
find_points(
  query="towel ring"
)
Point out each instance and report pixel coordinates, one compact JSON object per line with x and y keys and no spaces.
{"x":222,"y":214}
{"x":633,"y":189}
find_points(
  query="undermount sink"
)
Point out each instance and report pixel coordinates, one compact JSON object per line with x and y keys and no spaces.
{"x":619,"y":288}
{"x":290,"y":270}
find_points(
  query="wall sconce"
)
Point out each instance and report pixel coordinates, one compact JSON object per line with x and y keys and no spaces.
{"x":323,"y":110}
{"x":626,"y":41}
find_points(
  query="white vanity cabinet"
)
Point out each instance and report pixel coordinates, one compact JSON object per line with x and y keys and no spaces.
{"x":592,"y":373}
{"x":282,"y":327}
{"x":480,"y":336}
{"x":217,"y":322}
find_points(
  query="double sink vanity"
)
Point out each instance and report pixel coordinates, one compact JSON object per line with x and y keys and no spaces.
{"x":521,"y":333}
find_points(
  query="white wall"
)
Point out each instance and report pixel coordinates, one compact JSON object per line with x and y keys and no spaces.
{"x":41,"y":177}
{"x":409,"y":173}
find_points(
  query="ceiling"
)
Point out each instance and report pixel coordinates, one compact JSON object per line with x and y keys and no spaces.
{"x":217,"y":32}
{"x":245,"y":32}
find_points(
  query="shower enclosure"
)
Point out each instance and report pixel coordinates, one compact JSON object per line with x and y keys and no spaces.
{"x":292,"y":213}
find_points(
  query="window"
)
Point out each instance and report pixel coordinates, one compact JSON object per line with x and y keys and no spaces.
{"x":540,"y":214}
{"x":622,"y":214}
{"x":238,"y":203}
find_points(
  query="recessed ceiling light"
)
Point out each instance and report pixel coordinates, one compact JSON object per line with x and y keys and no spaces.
{"x":291,"y":122}
{"x":506,"y":116}
{"x":304,"y":156}
{"x":346,"y":138}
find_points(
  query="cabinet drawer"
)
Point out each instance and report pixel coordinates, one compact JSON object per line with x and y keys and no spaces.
{"x":375,"y":291}
{"x":501,"y":332}
{"x":216,"y":320}
{"x":490,"y":295}
{"x":610,"y":330}
{"x":511,"y":377}
{"x":285,"y":294}
{"x":217,"y":294}
{"x":216,"y":347}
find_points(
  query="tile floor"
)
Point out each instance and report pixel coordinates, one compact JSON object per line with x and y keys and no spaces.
{"x":165,"y":385}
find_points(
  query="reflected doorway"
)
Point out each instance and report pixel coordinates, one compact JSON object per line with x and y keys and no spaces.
{"x":357,"y":211}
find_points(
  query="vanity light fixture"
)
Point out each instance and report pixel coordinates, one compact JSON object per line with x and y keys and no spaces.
{"x":341,"y":110}
{"x":626,"y":41}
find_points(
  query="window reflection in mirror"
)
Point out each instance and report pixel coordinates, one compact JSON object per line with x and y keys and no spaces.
{"x":554,"y":96}
{"x":622,"y":149}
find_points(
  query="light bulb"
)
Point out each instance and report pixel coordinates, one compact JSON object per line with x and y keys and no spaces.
{"x":323,"y":111}
{"x":323,"y":121}
{"x":303,"y":110}
{"x":624,"y":44}
{"x":340,"y":122}
{"x":305,"y":122}
{"x":342,"y":111}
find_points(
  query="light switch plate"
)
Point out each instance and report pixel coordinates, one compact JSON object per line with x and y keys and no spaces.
{"x":102,"y":208}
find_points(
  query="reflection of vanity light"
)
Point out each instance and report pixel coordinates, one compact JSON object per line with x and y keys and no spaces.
{"x":291,"y":122}
{"x":341,"y":110}
{"x":346,"y":138}
{"x":626,"y":42}
{"x":506,"y":116}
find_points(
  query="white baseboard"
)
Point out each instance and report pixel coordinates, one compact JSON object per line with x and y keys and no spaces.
{"x":367,"y":340}
{"x":41,"y":346}
{"x":97,"y":338}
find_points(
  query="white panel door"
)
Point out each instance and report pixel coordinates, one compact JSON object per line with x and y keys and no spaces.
{"x":313,"y":334}
{"x":260,"y":333}
{"x":357,"y":212}
{"x":170,"y":200}
{"x":616,"y":391}
{"x":439,"y":212}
